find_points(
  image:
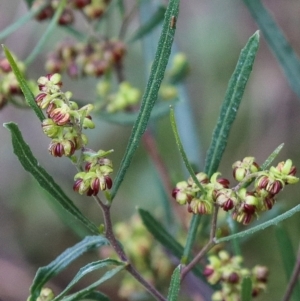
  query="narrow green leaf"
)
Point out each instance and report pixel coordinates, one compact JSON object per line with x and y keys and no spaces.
{"x":271,"y":158}
{"x":182,"y":152}
{"x":160,"y":109}
{"x":75,"y":33}
{"x":288,"y":256}
{"x":89,"y":268}
{"x":21,"y":21}
{"x":51,"y":27}
{"x":23,"y":85}
{"x":233,"y":97}
{"x":148,"y":26}
{"x":30,"y":164}
{"x":151,"y":92}
{"x":246,"y":289}
{"x":281,"y":48}
{"x":95,"y":296}
{"x":86,"y":291}
{"x":164,"y":238}
{"x":260,"y":227}
{"x":45,"y":273}
{"x":174,"y":285}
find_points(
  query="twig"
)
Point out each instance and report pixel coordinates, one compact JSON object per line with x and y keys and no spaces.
{"x":109,"y":234}
{"x":293,"y":279}
{"x":206,"y":248}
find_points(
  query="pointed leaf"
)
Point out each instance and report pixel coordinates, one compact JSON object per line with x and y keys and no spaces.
{"x":51,"y":27}
{"x":89,"y":268}
{"x":21,"y":21}
{"x":233,"y":97}
{"x":182,"y":152}
{"x":174,"y":285}
{"x":271,"y":158}
{"x":123,"y":118}
{"x":274,"y":221}
{"x":151,"y":92}
{"x":86,"y":291}
{"x":246,"y":289}
{"x":281,"y":48}
{"x":30,"y":164}
{"x":148,"y":26}
{"x":45,"y":273}
{"x":23,"y":85}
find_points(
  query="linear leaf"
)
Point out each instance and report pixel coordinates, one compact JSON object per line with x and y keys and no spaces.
{"x":148,"y":26}
{"x":274,"y":221}
{"x":270,"y":159}
{"x":23,"y":85}
{"x":21,"y":21}
{"x":44,"y":274}
{"x":182,"y":152}
{"x":122,"y":118}
{"x":246,"y":289}
{"x":30,"y":164}
{"x":281,"y":48}
{"x":51,"y":27}
{"x":233,"y":97}
{"x":156,"y":76}
{"x":174,"y":285}
{"x":89,"y":268}
{"x":86,"y":291}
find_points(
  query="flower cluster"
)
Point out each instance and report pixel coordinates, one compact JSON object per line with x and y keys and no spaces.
{"x":65,"y":120}
{"x":64,"y":126}
{"x":244,"y":203}
{"x":46,"y":295}
{"x":9,"y":86}
{"x":95,"y":177}
{"x":228,"y":272}
{"x":86,"y":59}
{"x":147,"y":256}
{"x":124,"y":99}
{"x":92,"y":9}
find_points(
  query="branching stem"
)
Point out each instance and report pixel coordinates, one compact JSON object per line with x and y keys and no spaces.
{"x":109,"y":234}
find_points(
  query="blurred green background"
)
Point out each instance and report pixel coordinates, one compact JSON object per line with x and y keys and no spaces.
{"x":211,"y":34}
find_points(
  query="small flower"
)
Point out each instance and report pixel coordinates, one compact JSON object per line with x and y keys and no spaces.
{"x":51,"y":83}
{"x":226,"y":199}
{"x":242,"y":168}
{"x":269,"y":183}
{"x":200,"y":206}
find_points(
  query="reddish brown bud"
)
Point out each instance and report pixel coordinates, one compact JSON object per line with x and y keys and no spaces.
{"x":66,"y":18}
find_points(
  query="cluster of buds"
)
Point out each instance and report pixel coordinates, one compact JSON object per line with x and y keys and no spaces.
{"x":89,"y":59}
{"x":65,"y":120}
{"x":147,"y":256}
{"x":124,"y":99}
{"x":64,"y":126}
{"x":229,"y":273}
{"x":245,"y":204}
{"x":92,"y":9}
{"x":46,"y":295}
{"x":9,"y":86}
{"x":96,"y":175}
